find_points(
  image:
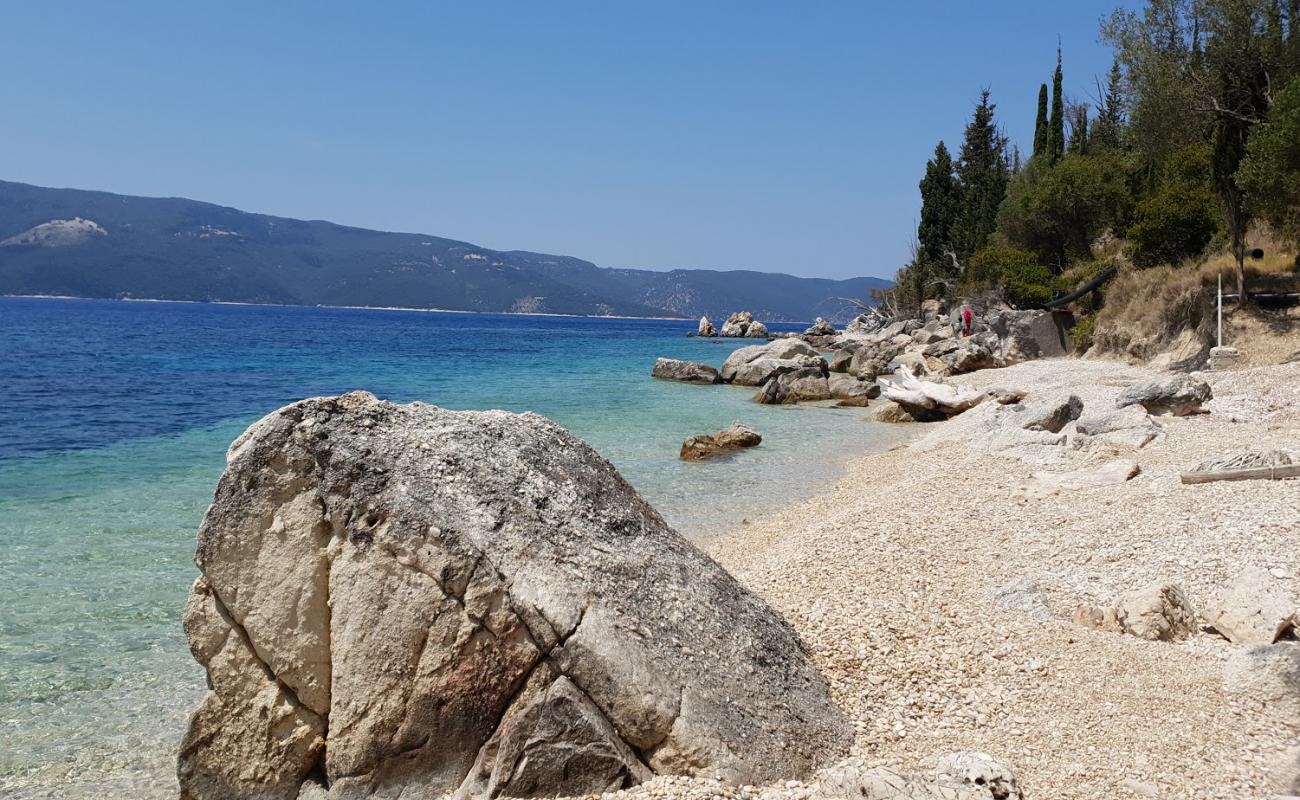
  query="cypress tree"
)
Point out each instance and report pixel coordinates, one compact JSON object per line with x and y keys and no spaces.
{"x":1108,"y":129}
{"x":982,"y":180}
{"x":1079,"y":131}
{"x":940,"y":203}
{"x":1040,"y":123}
{"x":1056,"y":134}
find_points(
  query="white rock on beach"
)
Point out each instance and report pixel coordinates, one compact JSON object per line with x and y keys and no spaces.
{"x":477,"y":603}
{"x":1256,"y":609}
{"x":1159,"y":612}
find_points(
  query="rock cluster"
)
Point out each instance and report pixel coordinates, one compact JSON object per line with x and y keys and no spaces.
{"x":743,"y":325}
{"x":728,"y":440}
{"x":479,"y":605}
{"x":820,"y":327}
{"x":706,"y":328}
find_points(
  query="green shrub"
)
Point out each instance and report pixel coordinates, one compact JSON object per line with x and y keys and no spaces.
{"x":1081,"y":333}
{"x":1024,"y":281}
{"x":1175,"y":223}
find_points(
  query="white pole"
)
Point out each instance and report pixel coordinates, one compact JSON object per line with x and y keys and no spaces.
{"x":1220,"y":309}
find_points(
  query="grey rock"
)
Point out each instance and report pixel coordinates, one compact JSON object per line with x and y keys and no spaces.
{"x":852,"y":391}
{"x":755,"y":364}
{"x":1029,"y":335}
{"x":1047,"y":415}
{"x":756,"y":330}
{"x":706,"y":328}
{"x":958,"y":776}
{"x":981,"y":770}
{"x":1178,"y":398}
{"x":672,"y":369}
{"x":805,"y":384}
{"x":422,"y":578}
{"x":1023,"y":595}
{"x":842,"y":358}
{"x":737,"y":325}
{"x":820,"y":327}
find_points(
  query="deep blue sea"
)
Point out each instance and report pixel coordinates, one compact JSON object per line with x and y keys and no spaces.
{"x":114,"y":422}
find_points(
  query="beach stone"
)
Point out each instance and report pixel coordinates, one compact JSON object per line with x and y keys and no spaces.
{"x":806,"y":384}
{"x":1255,"y":610}
{"x":706,"y":328}
{"x":1177,"y":398}
{"x":1111,"y":473}
{"x":671,"y":369}
{"x":981,"y":770}
{"x":891,"y":412}
{"x":424,"y":578}
{"x":1102,"y":618}
{"x":1159,"y":612}
{"x":735,"y":437}
{"x":958,"y":776}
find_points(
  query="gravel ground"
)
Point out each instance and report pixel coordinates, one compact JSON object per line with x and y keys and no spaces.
{"x":888,"y":577}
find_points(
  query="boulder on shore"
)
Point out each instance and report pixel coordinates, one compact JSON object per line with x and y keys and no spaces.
{"x":672,"y":369}
{"x":479,"y":605}
{"x":1255,"y":610}
{"x":1177,"y":398}
{"x":1159,"y":612}
{"x":851,"y":391}
{"x":820,"y":327}
{"x":755,"y":364}
{"x":806,"y":384}
{"x":706,"y":328}
{"x":728,"y":440}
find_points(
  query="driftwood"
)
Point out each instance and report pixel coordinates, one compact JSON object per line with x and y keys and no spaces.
{"x":927,"y":396}
{"x":1273,"y":465}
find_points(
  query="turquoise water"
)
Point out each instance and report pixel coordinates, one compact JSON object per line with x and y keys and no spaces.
{"x":113,"y":433}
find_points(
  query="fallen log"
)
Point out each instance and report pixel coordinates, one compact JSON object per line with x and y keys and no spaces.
{"x":918,"y":397}
{"x":1253,"y":474}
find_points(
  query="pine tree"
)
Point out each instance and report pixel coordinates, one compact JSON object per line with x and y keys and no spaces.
{"x":982,"y":180}
{"x":940,"y":204}
{"x":1108,"y":129}
{"x":1040,"y":123}
{"x":1056,"y":133}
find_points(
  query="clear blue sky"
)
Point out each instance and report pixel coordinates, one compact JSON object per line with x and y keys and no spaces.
{"x":775,"y":136}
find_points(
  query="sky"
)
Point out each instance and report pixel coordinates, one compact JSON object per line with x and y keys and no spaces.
{"x":783,"y":137}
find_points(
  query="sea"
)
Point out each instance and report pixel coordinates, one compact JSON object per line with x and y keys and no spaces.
{"x":114,"y":421}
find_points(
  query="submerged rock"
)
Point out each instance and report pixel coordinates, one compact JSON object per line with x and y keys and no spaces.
{"x":671,"y":369}
{"x":456,"y":593}
{"x":728,"y":440}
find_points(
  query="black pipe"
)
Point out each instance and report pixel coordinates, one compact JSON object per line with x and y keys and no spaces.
{"x":1105,"y":275}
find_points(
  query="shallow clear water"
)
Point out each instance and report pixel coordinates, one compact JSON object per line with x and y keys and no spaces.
{"x":113,"y":429}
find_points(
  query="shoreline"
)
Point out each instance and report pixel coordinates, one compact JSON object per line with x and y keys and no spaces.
{"x":892,"y":576}
{"x":355,"y":308}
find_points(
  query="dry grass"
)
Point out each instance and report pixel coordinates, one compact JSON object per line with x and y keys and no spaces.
{"x":1153,"y":311}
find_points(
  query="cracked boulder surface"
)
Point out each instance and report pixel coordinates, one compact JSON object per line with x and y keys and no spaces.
{"x":406,"y":600}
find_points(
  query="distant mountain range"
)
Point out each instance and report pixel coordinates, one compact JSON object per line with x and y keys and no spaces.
{"x":97,"y":244}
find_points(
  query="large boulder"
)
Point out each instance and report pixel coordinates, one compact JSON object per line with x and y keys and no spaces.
{"x":757,"y":330}
{"x":478,"y":603}
{"x":706,"y":328}
{"x":671,"y":369}
{"x":851,"y":391}
{"x":755,"y":364}
{"x":728,"y":440}
{"x":1179,"y":397}
{"x":842,"y":357}
{"x":806,"y":384}
{"x":1028,"y":335}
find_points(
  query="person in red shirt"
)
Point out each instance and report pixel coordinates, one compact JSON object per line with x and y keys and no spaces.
{"x":966,"y":318}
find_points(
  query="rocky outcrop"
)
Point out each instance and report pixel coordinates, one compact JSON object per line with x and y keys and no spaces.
{"x":671,"y":369}
{"x":1129,"y":427}
{"x":820,"y":327}
{"x":1177,"y":398}
{"x":743,"y":325}
{"x":957,"y":356}
{"x":1255,"y":610}
{"x":806,"y":384}
{"x":1047,"y":415}
{"x":706,"y":328}
{"x":755,"y":364}
{"x":1159,"y":612}
{"x":728,"y":440}
{"x":477,"y":603}
{"x":1027,"y":335}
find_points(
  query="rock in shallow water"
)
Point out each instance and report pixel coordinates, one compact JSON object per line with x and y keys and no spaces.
{"x":454,"y":591}
{"x":672,"y":369}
